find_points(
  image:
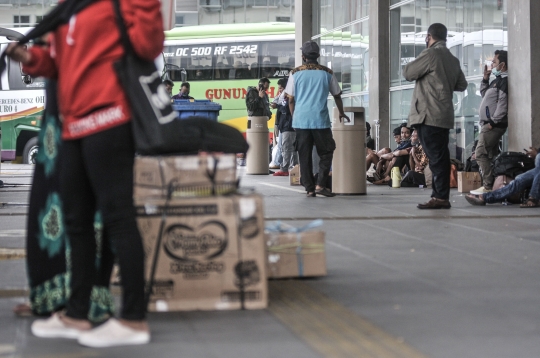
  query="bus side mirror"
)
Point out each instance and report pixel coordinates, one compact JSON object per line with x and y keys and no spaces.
{"x":27,"y":79}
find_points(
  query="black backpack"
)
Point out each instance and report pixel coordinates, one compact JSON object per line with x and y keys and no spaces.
{"x":512,"y":164}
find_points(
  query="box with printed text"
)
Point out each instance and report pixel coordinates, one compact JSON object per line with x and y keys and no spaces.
{"x":185,"y":176}
{"x":211,"y":255}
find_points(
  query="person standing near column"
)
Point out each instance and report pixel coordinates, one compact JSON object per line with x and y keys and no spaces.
{"x":493,"y":118}
{"x":307,"y":90}
{"x":437,"y":74}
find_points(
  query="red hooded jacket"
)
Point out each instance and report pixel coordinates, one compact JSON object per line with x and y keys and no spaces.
{"x":81,"y":58}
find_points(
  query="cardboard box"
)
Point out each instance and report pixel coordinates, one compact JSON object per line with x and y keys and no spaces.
{"x":211,"y":256}
{"x":296,"y":254}
{"x":468,"y":181}
{"x":188,"y":175}
{"x":294,"y":175}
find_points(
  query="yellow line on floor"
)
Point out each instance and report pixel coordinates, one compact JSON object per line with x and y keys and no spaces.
{"x":13,"y":292}
{"x":329,"y":328}
{"x":12,"y":254}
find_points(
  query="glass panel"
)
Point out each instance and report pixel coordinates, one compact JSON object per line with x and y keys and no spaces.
{"x":395,"y":68}
{"x":16,"y":78}
{"x":196,"y":59}
{"x":346,"y":60}
{"x":337,"y":55}
{"x":337,"y":10}
{"x":358,"y":50}
{"x":408,"y":37}
{"x":326,"y":15}
{"x":278,"y":59}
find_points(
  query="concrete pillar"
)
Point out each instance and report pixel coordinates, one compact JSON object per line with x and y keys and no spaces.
{"x":524,"y":74}
{"x":303,"y":15}
{"x":379,"y":68}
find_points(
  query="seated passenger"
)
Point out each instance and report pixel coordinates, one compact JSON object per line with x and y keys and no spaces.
{"x":373,"y":157}
{"x":418,"y":161}
{"x":529,"y":179}
{"x":184,"y":92}
{"x":398,"y":158}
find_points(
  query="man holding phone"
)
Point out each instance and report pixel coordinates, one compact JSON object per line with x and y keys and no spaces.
{"x":493,"y":118}
{"x":257,"y":100}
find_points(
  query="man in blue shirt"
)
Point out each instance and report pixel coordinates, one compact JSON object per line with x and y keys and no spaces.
{"x":307,"y":90}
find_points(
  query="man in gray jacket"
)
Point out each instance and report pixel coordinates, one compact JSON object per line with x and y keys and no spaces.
{"x":437,"y":74}
{"x":493,"y":118}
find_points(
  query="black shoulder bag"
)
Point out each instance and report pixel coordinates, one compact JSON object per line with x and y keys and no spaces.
{"x":156,"y":129}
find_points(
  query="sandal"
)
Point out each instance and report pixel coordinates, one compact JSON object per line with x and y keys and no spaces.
{"x":23,"y":310}
{"x":384,"y":181}
{"x":475,"y":200}
{"x":530,"y":203}
{"x":324,"y":192}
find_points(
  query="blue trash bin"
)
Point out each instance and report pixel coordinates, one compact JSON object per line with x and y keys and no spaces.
{"x":200,"y":107}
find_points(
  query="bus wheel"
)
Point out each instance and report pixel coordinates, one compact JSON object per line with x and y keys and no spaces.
{"x":30,"y":151}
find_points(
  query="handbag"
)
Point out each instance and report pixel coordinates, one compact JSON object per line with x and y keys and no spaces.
{"x":156,"y":129}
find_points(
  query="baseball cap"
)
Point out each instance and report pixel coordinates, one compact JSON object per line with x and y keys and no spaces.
{"x":310,"y":49}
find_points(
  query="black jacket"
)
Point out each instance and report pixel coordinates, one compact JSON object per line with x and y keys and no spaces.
{"x":285,"y":120}
{"x":257,"y":106}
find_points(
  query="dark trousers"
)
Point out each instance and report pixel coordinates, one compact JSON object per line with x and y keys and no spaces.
{"x":325,"y":145}
{"x":434,"y":140}
{"x":97,"y":174}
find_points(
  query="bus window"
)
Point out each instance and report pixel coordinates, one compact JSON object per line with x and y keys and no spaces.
{"x":196,"y":59}
{"x":277,"y":58}
{"x":236,"y":61}
{"x":16,"y":76}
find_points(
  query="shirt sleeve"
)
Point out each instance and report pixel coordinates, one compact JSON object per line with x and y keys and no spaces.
{"x":289,"y":90}
{"x":334,"y":86}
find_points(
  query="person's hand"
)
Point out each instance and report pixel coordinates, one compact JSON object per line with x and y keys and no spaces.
{"x":273,"y":105}
{"x":532,"y":152}
{"x":490,"y":126}
{"x":18,"y":53}
{"x":262,"y":93}
{"x":344,"y":117}
{"x":487,"y":72}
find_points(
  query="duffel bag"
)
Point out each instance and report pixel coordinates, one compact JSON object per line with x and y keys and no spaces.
{"x":512,"y":164}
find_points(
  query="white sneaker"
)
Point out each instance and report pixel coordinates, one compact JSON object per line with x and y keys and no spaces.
{"x":54,"y":327}
{"x":111,"y":334}
{"x":480,"y":191}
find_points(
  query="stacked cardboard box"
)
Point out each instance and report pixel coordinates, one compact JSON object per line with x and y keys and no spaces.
{"x":206,"y":252}
{"x":194,"y":175}
{"x":295,"y":254}
{"x":468,"y":181}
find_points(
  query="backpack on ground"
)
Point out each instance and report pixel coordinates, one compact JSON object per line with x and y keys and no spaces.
{"x":512,"y":164}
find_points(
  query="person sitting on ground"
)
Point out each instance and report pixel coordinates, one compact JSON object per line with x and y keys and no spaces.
{"x":398,"y":158}
{"x":529,"y":179}
{"x":373,"y":157}
{"x":418,"y":161}
{"x":184,"y":92}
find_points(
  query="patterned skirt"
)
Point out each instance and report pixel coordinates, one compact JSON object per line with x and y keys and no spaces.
{"x":48,"y":252}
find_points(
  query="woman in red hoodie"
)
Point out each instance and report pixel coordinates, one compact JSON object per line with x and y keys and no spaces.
{"x":97,"y":159}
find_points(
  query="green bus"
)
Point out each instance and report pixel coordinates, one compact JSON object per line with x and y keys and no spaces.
{"x":22,"y":101}
{"x":221,"y":61}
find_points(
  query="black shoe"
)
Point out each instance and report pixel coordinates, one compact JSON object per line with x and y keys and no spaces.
{"x":325,"y":192}
{"x":435,"y":204}
{"x":311,"y":195}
